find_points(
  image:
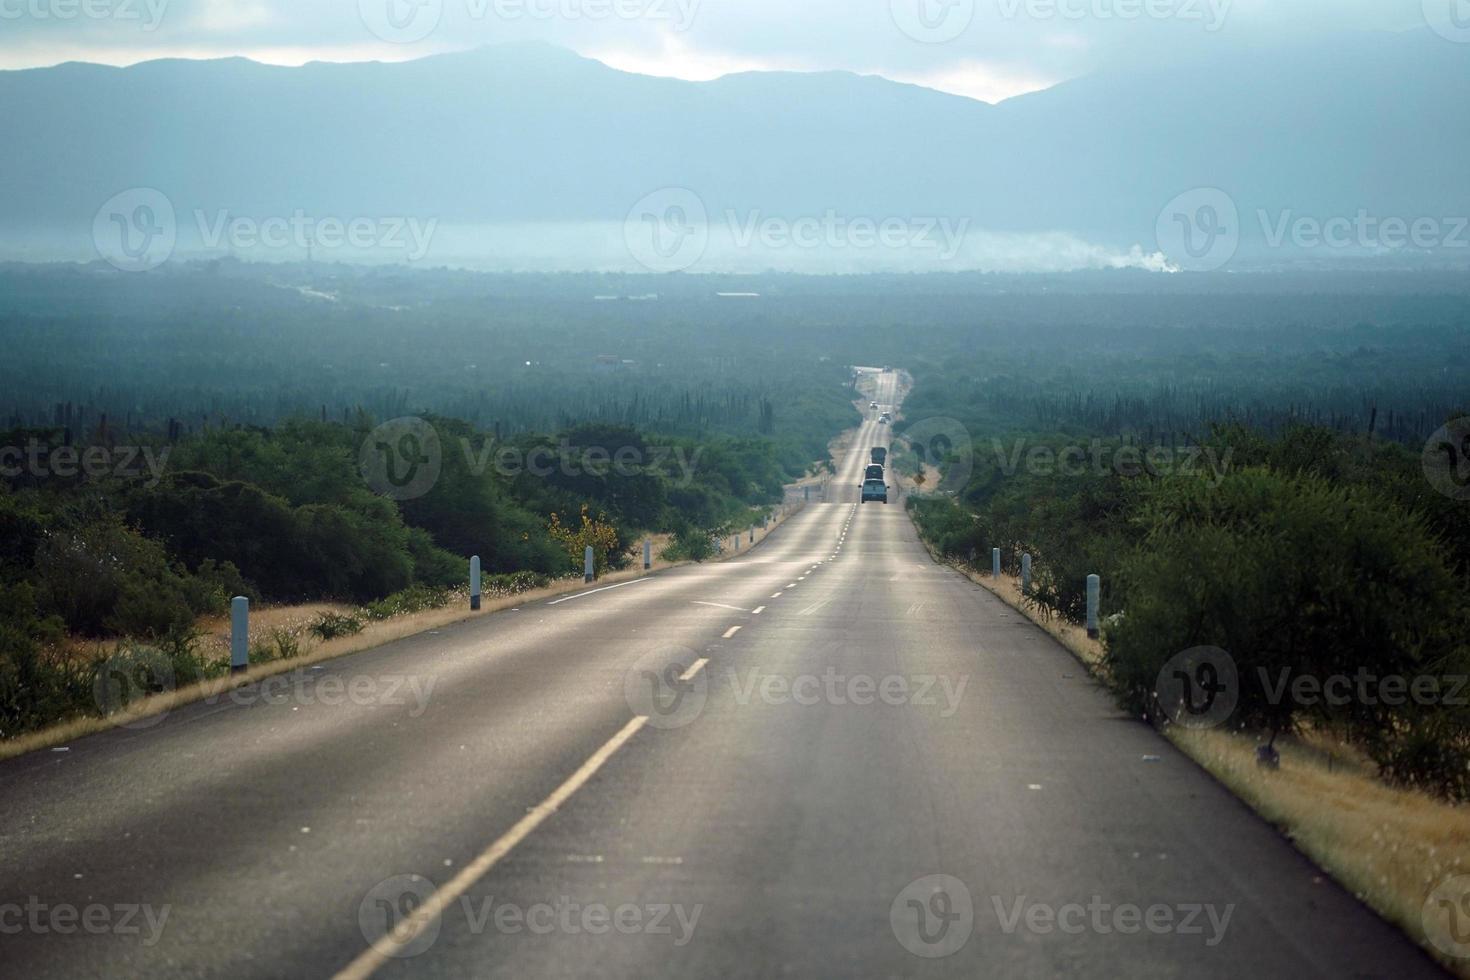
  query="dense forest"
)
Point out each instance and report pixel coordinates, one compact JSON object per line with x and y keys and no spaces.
{"x":139,"y":489}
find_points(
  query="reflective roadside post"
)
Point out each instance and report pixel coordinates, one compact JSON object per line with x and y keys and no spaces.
{"x":239,"y":634}
{"x":1094,"y":594}
{"x":475,"y":583}
{"x":587,"y":575}
{"x":995,"y":563}
{"x":1026,"y":574}
{"x":647,"y":553}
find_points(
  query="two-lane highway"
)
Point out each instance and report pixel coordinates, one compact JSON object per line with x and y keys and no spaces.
{"x":827,"y":757}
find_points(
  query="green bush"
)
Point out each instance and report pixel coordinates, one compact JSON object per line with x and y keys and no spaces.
{"x":330,"y":626}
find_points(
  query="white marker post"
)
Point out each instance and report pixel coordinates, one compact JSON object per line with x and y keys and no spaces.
{"x":475,"y":583}
{"x":1026,"y":574}
{"x":647,"y":553}
{"x":752,"y":534}
{"x":995,"y":563}
{"x":239,"y":634}
{"x":587,"y":567}
{"x":1094,"y":596}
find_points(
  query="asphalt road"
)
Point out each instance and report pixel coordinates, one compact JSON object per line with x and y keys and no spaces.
{"x":829,"y":757}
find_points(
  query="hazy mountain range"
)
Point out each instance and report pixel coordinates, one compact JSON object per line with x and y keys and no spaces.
{"x":520,"y":136}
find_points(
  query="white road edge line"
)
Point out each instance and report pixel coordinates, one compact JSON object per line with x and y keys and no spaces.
{"x":412,"y":926}
{"x":636,"y":581}
{"x":719,"y":605}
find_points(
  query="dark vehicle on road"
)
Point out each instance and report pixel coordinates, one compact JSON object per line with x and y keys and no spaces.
{"x":879,"y":455}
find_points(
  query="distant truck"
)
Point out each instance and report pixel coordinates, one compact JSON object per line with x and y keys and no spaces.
{"x":879,"y":455}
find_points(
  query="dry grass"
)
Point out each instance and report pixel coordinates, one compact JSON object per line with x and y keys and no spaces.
{"x":1390,"y":847}
{"x":297,"y":621}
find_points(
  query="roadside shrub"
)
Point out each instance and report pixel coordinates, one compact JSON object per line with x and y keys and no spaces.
{"x":414,"y":599}
{"x":330,"y":626}
{"x":1295,"y":577}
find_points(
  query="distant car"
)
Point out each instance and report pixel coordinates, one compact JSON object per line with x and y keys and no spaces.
{"x":874,"y":490}
{"x":872,"y":404}
{"x":874,"y":472}
{"x":884,"y":419}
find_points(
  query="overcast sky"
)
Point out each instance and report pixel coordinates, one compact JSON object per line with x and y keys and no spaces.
{"x":987,"y":49}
